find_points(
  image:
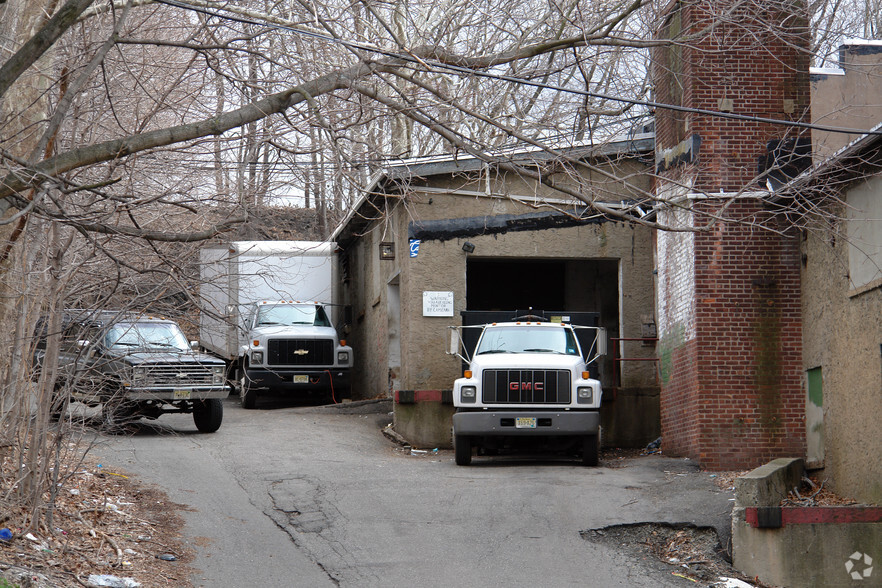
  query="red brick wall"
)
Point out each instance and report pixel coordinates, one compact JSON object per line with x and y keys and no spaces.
{"x":752,"y":58}
{"x":748,"y":344}
{"x":680,"y":403}
{"x":732,"y":396}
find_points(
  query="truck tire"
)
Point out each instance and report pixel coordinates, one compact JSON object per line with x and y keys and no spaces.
{"x":462,"y":448}
{"x":591,"y":450}
{"x":116,"y":414}
{"x":208,"y":415}
{"x":58,"y":404}
{"x":247,"y":395}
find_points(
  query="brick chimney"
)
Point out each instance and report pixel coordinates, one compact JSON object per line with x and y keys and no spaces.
{"x":729,"y":305}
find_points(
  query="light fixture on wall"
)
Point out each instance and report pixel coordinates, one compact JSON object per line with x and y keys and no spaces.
{"x":387,"y":250}
{"x":468,"y":247}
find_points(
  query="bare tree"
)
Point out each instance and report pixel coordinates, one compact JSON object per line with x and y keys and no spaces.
{"x":131,"y":129}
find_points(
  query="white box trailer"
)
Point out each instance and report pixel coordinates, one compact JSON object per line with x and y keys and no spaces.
{"x":235,"y":275}
{"x":241,"y":282}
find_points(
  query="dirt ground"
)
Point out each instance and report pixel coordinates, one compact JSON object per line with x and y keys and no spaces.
{"x":107,"y":530}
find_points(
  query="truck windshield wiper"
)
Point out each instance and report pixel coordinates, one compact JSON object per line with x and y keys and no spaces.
{"x":494,"y":351}
{"x":540,"y":351}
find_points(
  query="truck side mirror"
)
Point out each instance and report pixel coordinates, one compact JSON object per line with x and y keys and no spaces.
{"x":453,"y":349}
{"x":601,"y":341}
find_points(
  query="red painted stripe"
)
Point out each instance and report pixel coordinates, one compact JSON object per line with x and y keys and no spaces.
{"x":414,"y":396}
{"x":427,"y":396}
{"x":810,"y":515}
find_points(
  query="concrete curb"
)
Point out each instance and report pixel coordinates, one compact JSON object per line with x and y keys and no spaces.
{"x":769,"y":484}
{"x":801,"y":545}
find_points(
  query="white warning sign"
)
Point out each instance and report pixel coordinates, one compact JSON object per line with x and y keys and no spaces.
{"x":437,"y":303}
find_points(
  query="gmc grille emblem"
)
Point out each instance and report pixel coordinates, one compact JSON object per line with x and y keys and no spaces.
{"x":300,"y":351}
{"x":537,"y":386}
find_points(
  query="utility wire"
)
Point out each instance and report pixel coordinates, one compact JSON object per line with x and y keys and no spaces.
{"x":517,"y":80}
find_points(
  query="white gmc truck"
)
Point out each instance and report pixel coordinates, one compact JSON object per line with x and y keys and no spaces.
{"x":527,"y":386}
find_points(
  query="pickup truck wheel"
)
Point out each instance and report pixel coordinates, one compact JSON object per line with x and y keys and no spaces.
{"x":247,"y":395}
{"x":116,"y":414}
{"x":591,"y":450}
{"x":462,"y":448}
{"x":208,"y":415}
{"x":58,"y":404}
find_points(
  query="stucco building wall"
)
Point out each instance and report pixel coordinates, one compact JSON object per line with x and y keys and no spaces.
{"x":847,"y":96}
{"x":441,"y":266}
{"x":843,"y":338}
{"x":382,"y":289}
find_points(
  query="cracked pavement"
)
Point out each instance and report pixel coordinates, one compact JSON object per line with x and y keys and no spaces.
{"x":289,"y":495}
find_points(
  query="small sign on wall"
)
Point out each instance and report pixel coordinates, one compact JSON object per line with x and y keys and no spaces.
{"x":437,"y":303}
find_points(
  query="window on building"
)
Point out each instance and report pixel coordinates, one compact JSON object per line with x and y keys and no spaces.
{"x":864,"y":215}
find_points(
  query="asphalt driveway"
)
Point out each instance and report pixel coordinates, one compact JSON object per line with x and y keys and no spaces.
{"x":318,"y":496}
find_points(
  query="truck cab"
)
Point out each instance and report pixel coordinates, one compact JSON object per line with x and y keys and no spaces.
{"x":291,"y":347}
{"x":527,"y":386}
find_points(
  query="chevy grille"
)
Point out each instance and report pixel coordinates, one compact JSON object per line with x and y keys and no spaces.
{"x":177,"y":376}
{"x":526,"y":387}
{"x":300,"y":352}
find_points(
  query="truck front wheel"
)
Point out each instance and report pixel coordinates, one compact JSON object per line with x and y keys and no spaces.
{"x":591,"y":450}
{"x":462,"y":447}
{"x":116,"y":414}
{"x":208,"y":414}
{"x":59,"y":402}
{"x":247,"y":395}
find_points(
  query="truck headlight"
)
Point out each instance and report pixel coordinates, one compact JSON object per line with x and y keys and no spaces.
{"x":468,"y":394}
{"x":585,"y":395}
{"x":342,"y":357}
{"x":217,"y":375}
{"x":139,"y":374}
{"x":257,"y":357}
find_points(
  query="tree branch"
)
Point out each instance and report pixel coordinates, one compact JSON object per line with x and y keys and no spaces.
{"x":37,"y":45}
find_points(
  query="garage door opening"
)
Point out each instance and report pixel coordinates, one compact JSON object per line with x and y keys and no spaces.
{"x":588,"y":285}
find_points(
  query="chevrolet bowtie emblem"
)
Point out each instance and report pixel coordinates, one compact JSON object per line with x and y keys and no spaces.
{"x":300,"y":352}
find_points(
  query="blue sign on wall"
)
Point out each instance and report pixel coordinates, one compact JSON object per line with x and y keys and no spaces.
{"x":414,"y":247}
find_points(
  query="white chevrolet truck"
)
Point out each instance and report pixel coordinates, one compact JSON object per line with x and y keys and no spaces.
{"x":528,"y":387}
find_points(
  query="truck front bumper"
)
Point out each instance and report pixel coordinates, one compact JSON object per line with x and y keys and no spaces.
{"x":171,"y":394}
{"x":505,"y":422}
{"x":283,"y":380}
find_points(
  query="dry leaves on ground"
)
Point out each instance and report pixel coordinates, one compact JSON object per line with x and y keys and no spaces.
{"x":107,"y":529}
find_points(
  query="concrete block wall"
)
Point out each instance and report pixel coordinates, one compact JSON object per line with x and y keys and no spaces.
{"x":732,"y":393}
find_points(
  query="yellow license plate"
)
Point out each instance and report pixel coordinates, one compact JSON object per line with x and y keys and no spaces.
{"x":301,"y":379}
{"x":182,"y":394}
{"x":525,"y":423}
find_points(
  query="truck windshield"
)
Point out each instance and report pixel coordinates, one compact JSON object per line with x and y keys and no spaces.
{"x":146,"y":335}
{"x":292,"y":314}
{"x":528,"y":340}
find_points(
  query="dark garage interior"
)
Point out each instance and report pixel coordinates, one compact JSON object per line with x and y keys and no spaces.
{"x":589,"y":285}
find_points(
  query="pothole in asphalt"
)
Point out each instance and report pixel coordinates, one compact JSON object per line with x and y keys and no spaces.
{"x":693,"y":553}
